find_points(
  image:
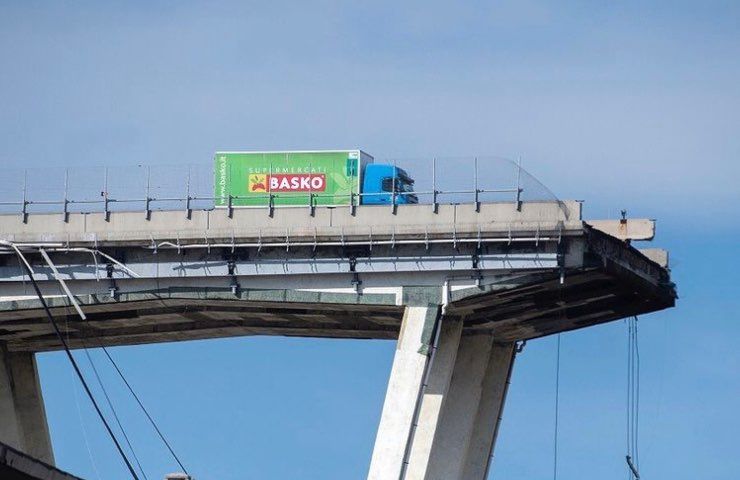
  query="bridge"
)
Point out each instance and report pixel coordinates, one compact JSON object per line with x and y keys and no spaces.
{"x":458,"y":287}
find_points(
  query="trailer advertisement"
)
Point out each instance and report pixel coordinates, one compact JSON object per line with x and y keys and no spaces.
{"x":290,"y":178}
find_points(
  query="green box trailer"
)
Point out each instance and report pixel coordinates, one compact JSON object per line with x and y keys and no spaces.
{"x":326,"y":177}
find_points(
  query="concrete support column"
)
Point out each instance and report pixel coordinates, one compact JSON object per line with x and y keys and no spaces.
{"x":402,"y":396}
{"x":490,"y":409}
{"x":432,"y":402}
{"x":457,"y":422}
{"x":22,"y":414}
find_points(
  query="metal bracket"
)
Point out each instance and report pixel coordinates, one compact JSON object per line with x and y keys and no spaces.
{"x":231,"y":265}
{"x":356,"y":282}
{"x":112,"y":287}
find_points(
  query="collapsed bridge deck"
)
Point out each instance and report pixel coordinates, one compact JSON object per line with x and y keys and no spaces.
{"x":518,"y":271}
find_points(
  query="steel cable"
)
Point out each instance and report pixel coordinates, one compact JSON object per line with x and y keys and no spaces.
{"x":77,"y":370}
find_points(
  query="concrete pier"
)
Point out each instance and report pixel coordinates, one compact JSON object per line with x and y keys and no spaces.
{"x":433,"y":399}
{"x":402,"y":396}
{"x":22,"y":415}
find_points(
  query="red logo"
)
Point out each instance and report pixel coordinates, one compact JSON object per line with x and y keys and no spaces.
{"x":297,"y":182}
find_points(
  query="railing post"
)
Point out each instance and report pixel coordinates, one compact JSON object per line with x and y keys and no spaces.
{"x":351,"y":198}
{"x":24,"y":205}
{"x":188,"y":210}
{"x":393,"y":189}
{"x":311,"y":209}
{"x":230,"y":211}
{"x":147,"y":203}
{"x":106,"y":210}
{"x":269,"y":189}
{"x":66,"y":195}
{"x":477,"y":190}
{"x":435,"y":204}
{"x":518,"y":185}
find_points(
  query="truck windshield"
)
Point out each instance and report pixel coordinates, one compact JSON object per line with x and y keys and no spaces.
{"x":401,"y":184}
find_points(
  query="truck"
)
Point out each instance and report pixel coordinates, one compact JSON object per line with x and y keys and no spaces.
{"x":316,"y":178}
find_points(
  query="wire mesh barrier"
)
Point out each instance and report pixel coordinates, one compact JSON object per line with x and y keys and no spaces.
{"x":147,"y":188}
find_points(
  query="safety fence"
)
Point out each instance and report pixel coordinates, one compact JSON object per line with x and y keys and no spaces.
{"x":147,"y":188}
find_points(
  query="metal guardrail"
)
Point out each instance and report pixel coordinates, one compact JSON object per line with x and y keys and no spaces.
{"x":155,"y":187}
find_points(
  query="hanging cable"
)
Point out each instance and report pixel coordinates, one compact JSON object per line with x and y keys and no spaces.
{"x":79,"y":410}
{"x":557,"y":412}
{"x":76,"y":367}
{"x":143,"y":409}
{"x":633,"y":400}
{"x":82,"y":315}
{"x":115,"y":414}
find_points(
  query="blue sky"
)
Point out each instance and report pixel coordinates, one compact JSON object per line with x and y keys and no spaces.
{"x":625,"y":105}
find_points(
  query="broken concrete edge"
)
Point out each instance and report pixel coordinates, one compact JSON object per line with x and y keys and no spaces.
{"x":626,"y":229}
{"x":657,"y":255}
{"x":34,"y":468}
{"x":610,"y":249}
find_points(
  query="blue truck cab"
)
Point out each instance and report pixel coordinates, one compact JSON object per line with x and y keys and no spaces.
{"x":382,"y":184}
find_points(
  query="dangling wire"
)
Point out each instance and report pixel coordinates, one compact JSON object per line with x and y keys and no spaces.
{"x":79,"y":410}
{"x":76,"y":368}
{"x":633,"y":400}
{"x":557,"y":412}
{"x":115,"y":414}
{"x":146,"y":412}
{"x":82,"y":315}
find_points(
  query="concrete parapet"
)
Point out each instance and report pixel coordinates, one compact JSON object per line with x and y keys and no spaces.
{"x":216,"y":225}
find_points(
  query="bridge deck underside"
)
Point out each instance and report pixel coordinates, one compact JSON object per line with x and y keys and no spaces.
{"x":539,"y":305}
{"x":548,"y":306}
